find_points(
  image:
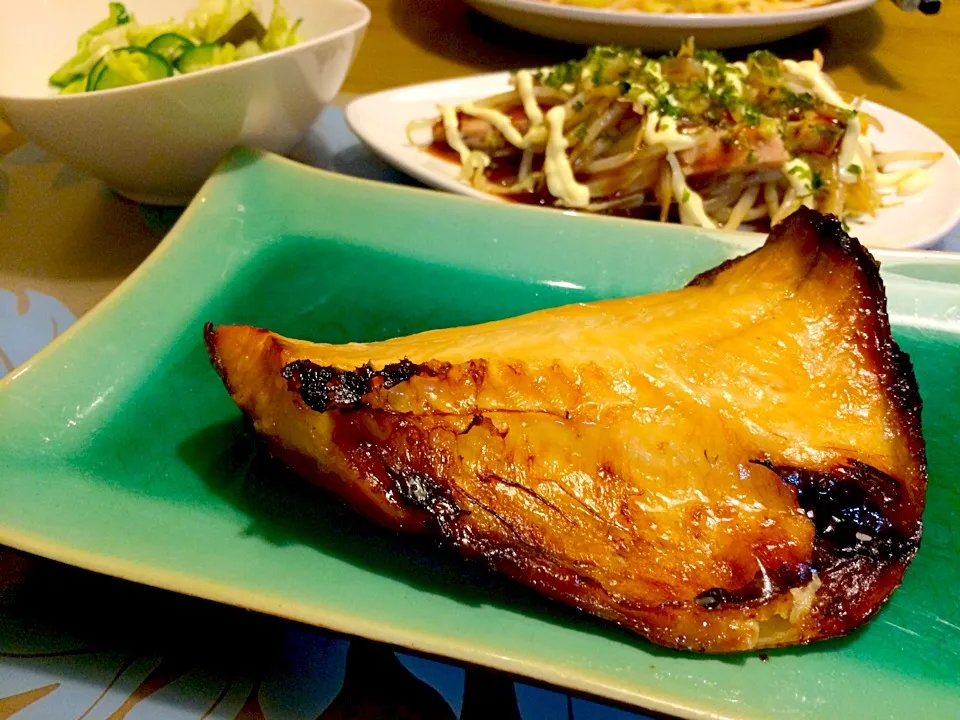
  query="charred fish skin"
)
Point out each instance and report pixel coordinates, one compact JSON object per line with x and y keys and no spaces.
{"x":735,"y":465}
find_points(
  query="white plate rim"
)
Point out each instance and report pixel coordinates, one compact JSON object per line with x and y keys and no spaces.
{"x":401,"y":155}
{"x":677,"y":20}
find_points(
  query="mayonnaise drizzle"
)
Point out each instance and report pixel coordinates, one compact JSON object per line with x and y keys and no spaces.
{"x":689,"y":202}
{"x":734,"y":74}
{"x":535,"y":132}
{"x":644,"y":101}
{"x":528,"y":97}
{"x":731,"y":75}
{"x":849,"y":162}
{"x":502,"y":123}
{"x":470,"y":160}
{"x":560,"y":178}
{"x":800,"y":177}
{"x":711,"y":71}
{"x":663,"y":131}
{"x":556,"y":165}
{"x":809,"y":71}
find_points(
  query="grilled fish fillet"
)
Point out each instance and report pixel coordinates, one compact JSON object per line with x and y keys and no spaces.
{"x":734,"y":465}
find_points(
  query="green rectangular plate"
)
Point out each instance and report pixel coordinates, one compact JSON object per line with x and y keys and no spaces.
{"x":122,"y":453}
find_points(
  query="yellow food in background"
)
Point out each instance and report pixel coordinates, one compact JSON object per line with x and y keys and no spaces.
{"x":694,"y":6}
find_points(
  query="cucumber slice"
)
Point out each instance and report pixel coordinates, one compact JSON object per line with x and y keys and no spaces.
{"x":127,"y":66}
{"x":170,"y":45}
{"x":77,"y":86}
{"x":196,"y":58}
{"x":64,"y":77}
{"x":94,"y":74}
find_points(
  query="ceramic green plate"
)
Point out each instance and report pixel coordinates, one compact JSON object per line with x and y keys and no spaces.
{"x":122,"y":453}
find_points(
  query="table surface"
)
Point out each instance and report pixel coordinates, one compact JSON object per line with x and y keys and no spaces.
{"x":66,"y":241}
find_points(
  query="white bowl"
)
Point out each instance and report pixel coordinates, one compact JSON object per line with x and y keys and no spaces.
{"x":158,"y":141}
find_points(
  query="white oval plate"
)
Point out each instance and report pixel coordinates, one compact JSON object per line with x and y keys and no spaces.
{"x":660,"y":31}
{"x":380,"y":121}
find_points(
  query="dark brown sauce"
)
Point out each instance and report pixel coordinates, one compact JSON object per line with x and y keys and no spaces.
{"x":440,"y":149}
{"x":504,"y":171}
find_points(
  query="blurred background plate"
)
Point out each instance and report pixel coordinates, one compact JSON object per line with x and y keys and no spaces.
{"x":660,"y":31}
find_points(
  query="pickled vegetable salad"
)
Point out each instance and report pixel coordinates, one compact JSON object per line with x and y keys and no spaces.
{"x":119,"y":51}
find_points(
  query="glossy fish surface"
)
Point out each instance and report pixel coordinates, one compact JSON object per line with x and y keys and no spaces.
{"x":733,"y":465}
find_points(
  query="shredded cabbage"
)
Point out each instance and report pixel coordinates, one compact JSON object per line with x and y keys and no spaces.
{"x":118,"y":16}
{"x":208,"y":23}
{"x":132,"y":68}
{"x":248,"y":49}
{"x":142,"y":35}
{"x":91,"y":46}
{"x":213,"y":18}
{"x":280,"y":33}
